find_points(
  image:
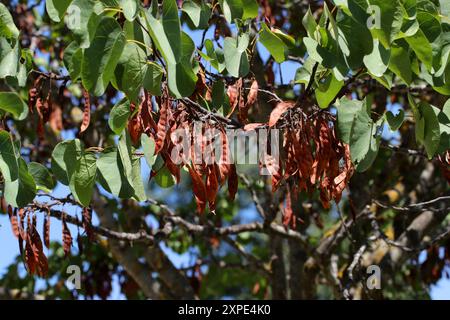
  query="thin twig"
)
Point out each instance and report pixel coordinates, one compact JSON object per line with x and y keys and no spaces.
{"x":355,"y":261}
{"x":137,"y":236}
{"x":412,"y":206}
{"x":406,"y":151}
{"x":257,"y":263}
{"x":255,"y":197}
{"x":347,"y":231}
{"x":228,"y":230}
{"x":270,"y":93}
{"x":51,"y":75}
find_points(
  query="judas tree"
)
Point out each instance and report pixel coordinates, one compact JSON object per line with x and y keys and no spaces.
{"x":233,"y":148}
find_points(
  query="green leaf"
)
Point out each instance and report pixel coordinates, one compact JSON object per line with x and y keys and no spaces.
{"x":12,"y":103}
{"x":64,"y":159}
{"x":100,"y":59}
{"x":444,"y":60}
{"x":390,"y":17}
{"x":125,"y":150}
{"x":130,"y":8}
{"x":236,"y":59}
{"x":232,"y":9}
{"x":422,"y":48}
{"x":420,"y":121}
{"x":400,"y":63}
{"x":148,"y":147}
{"x":134,"y":32}
{"x":346,"y":111}
{"x":111,"y":174}
{"x":214,"y":57}
{"x":395,"y":121}
{"x":372,"y":152}
{"x":409,"y":28}
{"x":73,"y":56}
{"x":320,"y":54}
{"x":118,"y":117}
{"x":251,"y":8}
{"x":198,"y":13}
{"x":82,"y":21}
{"x":218,"y":94}
{"x":159,"y":163}
{"x":364,"y":140}
{"x":25,"y":65}
{"x":444,"y":126}
{"x":377,"y":61}
{"x":83,"y":178}
{"x":355,"y":40}
{"x":385,"y":80}
{"x":432,"y":134}
{"x":323,"y":46}
{"x":327,"y":90}
{"x":8,"y":160}
{"x":164,"y":178}
{"x":172,"y":26}
{"x":181,"y":77}
{"x":41,"y":176}
{"x":152,"y":79}
{"x":446,"y":110}
{"x":7,"y":27}
{"x":310,"y":24}
{"x":131,"y":70}
{"x":288,"y":41}
{"x":445,"y":8}
{"x":176,"y":47}
{"x":332,"y":29}
{"x":57,"y":8}
{"x":20,"y":192}
{"x":410,"y":7}
{"x":128,"y":164}
{"x":358,"y":9}
{"x":160,"y":34}
{"x":9,"y":59}
{"x":304,"y":73}
{"x":430,"y":25}
{"x":136,"y":178}
{"x":272,"y":43}
{"x":102,"y":4}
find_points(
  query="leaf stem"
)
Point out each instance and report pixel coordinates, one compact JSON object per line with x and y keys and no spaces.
{"x":141,"y":44}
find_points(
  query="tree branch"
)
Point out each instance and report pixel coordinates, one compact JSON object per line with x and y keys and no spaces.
{"x":234,"y":229}
{"x":409,"y":152}
{"x":111,"y":234}
{"x":414,"y":206}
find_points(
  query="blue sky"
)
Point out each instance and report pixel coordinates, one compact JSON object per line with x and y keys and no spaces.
{"x":9,"y":247}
